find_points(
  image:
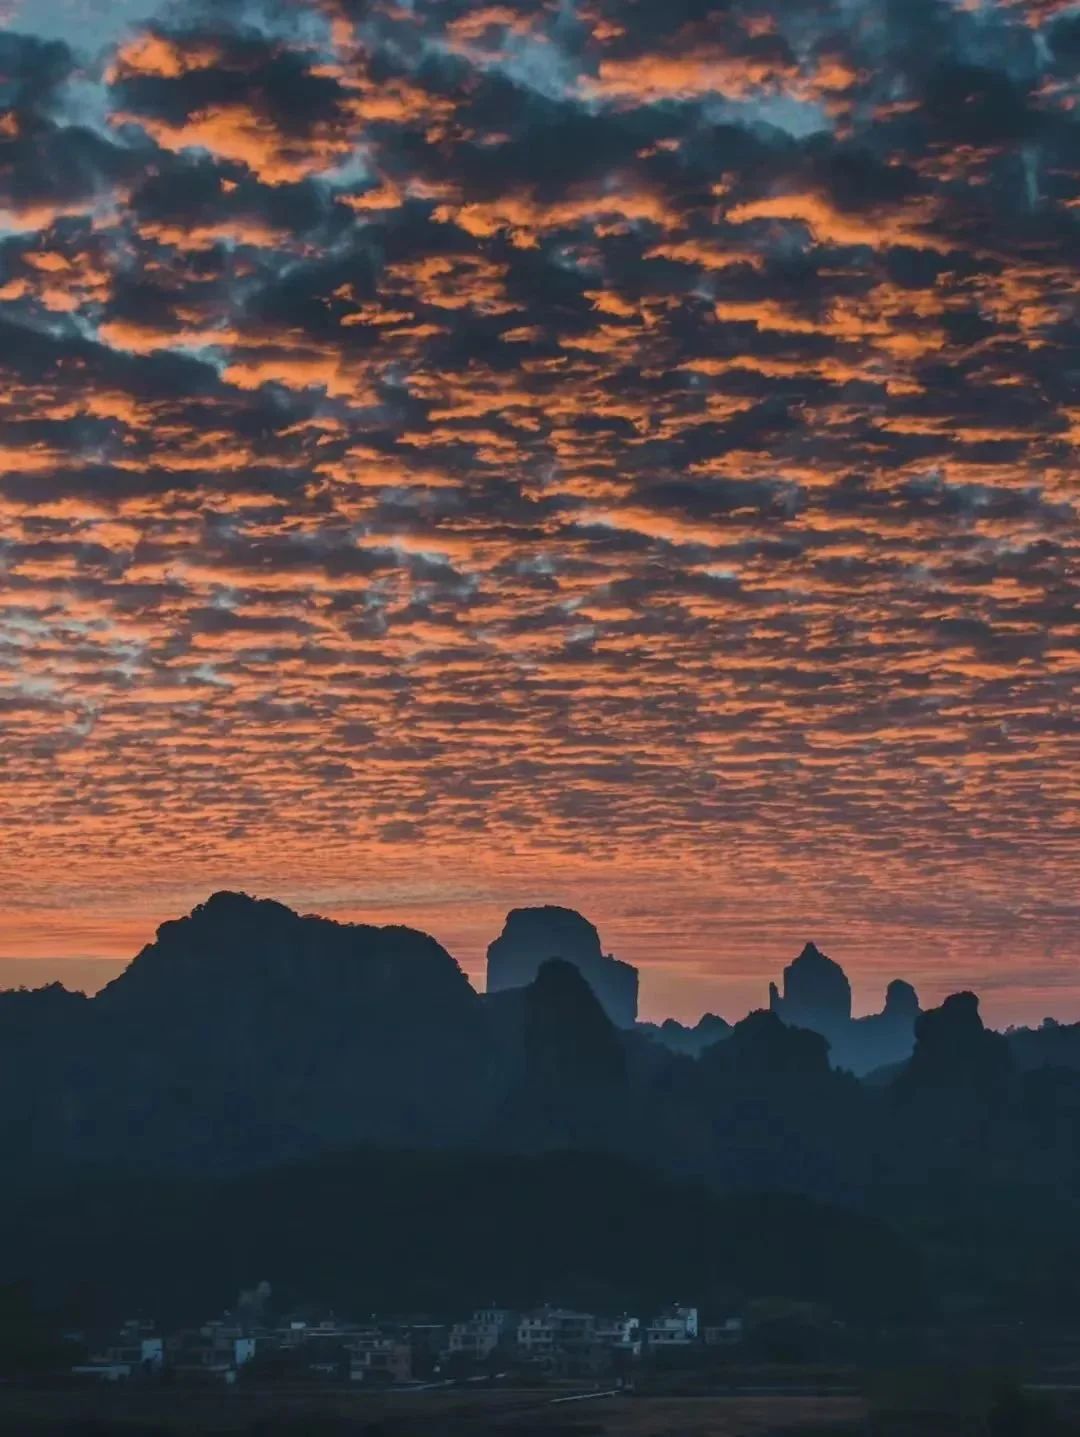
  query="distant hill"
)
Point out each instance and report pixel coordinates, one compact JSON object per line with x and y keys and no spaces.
{"x":1051,"y":1045}
{"x":84,"y":975}
{"x":247,"y":1037}
{"x":681,"y":1039}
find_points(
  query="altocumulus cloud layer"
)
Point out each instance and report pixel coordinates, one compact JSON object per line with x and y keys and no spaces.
{"x":619,"y":451}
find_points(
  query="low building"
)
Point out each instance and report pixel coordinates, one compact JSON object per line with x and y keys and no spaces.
{"x":550,"y":1333}
{"x":487,"y":1329}
{"x":535,"y":1334}
{"x":134,"y":1350}
{"x":212,"y":1350}
{"x":674,"y":1327}
{"x":244,"y":1349}
{"x":138,"y":1346}
{"x":378,"y":1359}
{"x":573,"y":1332}
{"x":429,"y":1342}
{"x":619,"y":1335}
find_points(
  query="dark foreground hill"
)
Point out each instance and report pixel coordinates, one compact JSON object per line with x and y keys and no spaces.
{"x":373,"y":1230}
{"x":248,"y":1034}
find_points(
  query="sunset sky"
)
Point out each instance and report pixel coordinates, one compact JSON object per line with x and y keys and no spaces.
{"x":618,"y":453}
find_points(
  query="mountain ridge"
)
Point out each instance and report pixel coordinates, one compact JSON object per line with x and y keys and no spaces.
{"x":247,"y":1039}
{"x":246,"y":1034}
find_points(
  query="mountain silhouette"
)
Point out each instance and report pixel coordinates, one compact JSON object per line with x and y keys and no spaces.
{"x":248,"y":1033}
{"x":817,"y":995}
{"x":569,"y":1039}
{"x":954,"y":1049}
{"x":246,"y":1037}
{"x":533,"y":935}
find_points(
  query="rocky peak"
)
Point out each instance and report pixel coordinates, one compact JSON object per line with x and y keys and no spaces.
{"x":568,"y":1036}
{"x":761,"y":1043}
{"x":901,"y":1001}
{"x":566,"y":932}
{"x":952,"y":1046}
{"x":816,"y":993}
{"x":532,"y":936}
{"x":234,"y":948}
{"x":811,"y":953}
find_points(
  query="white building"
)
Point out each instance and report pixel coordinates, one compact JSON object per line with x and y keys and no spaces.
{"x":572,"y":1332}
{"x":152,"y":1354}
{"x":488,"y":1328}
{"x":536,"y":1334}
{"x":675,"y":1327}
{"x":554,"y":1329}
{"x":243,"y":1350}
{"x":619,"y":1334}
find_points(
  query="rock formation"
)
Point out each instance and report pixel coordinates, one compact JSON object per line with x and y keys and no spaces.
{"x":533,"y":935}
{"x":760,"y":1043}
{"x":901,"y":1002}
{"x":953,"y":1048}
{"x":569,"y":1041}
{"x":882,"y":1039}
{"x":817,"y":994}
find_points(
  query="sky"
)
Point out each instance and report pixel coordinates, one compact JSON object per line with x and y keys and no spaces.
{"x":620,"y":453}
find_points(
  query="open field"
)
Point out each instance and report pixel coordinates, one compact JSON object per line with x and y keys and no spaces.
{"x":163,"y":1413}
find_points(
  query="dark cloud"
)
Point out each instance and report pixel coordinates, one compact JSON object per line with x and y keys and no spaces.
{"x":32,"y":73}
{"x":632,"y":433}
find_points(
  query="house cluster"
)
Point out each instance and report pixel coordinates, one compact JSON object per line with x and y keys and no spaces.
{"x":550,"y":1332}
{"x":223,"y":1348}
{"x":398,"y":1351}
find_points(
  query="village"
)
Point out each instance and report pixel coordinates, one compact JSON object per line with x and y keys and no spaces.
{"x":248,"y":1344}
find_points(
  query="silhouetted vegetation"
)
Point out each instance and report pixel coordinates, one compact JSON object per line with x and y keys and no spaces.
{"x":384,"y":1231}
